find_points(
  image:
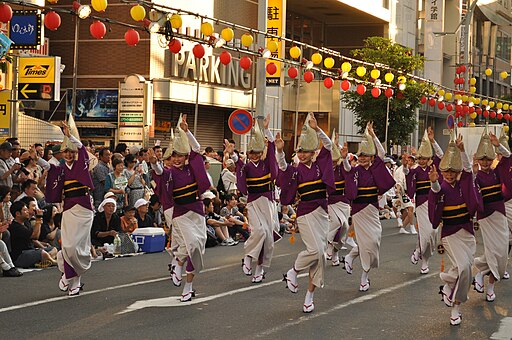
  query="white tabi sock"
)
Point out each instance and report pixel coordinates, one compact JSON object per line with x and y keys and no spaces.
{"x":455,"y":311}
{"x":364,"y":278}
{"x":424,"y":263}
{"x":309,"y":298}
{"x":259,"y":270}
{"x":335,"y":256}
{"x":400,"y":222}
{"x":247,"y":262}
{"x":490,"y":288}
{"x":187,"y":288}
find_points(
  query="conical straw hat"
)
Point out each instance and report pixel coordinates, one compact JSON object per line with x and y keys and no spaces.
{"x":367,"y":146}
{"x":257,"y":141}
{"x":308,"y":140}
{"x":66,"y":143}
{"x":180,"y":144}
{"x":485,"y":148}
{"x":425,"y":150}
{"x":452,"y":159}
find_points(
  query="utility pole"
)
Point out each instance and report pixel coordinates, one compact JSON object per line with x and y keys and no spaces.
{"x":465,"y":41}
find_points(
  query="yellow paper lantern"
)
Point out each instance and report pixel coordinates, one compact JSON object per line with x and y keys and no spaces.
{"x":329,"y":62}
{"x":316,"y":58}
{"x":499,"y":105}
{"x":176,"y":21}
{"x":99,"y":5}
{"x":227,"y":34}
{"x":485,"y":102}
{"x":472,"y":99}
{"x":273,"y":46}
{"x":488,"y":72}
{"x":448,"y":96}
{"x":505,"y":128}
{"x":389,"y":77}
{"x":295,"y":52}
{"x":465,"y":98}
{"x":472,"y":124}
{"x":476,"y":101}
{"x":361,"y":71}
{"x":491,"y":104}
{"x":246,"y":39}
{"x":346,"y":67}
{"x":206,"y":29}
{"x":401,"y":79}
{"x":473,"y":115}
{"x":458,"y":97}
{"x":505,"y":107}
{"x":375,"y":74}
{"x":504,"y":75}
{"x":441,"y":92}
{"x":138,"y":13}
{"x":472,"y":89}
{"x":472,"y":81}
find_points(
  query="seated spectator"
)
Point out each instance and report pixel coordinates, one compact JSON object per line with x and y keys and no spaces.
{"x":23,"y":253}
{"x":143,"y":219}
{"x":29,"y":189}
{"x":106,"y":223}
{"x":5,"y":214}
{"x":219,"y":224}
{"x":231,"y":213}
{"x":8,"y":268}
{"x":155,"y":211}
{"x":129,"y":221}
{"x":50,"y":233}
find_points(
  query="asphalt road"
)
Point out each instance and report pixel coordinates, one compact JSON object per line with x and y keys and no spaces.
{"x":133,"y":298}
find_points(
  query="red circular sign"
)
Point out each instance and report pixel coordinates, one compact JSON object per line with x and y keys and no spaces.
{"x":240,"y":122}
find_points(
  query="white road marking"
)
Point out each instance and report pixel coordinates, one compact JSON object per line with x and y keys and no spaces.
{"x":127,"y":285}
{"x":505,"y":330}
{"x":174,"y":301}
{"x":363,"y":298}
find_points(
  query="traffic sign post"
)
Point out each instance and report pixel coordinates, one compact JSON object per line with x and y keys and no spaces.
{"x":240,"y":122}
{"x":450,"y":121}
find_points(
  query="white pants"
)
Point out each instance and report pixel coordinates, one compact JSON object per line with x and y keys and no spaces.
{"x":426,"y":234}
{"x":260,"y":245}
{"x":76,"y":239}
{"x":338,"y":216}
{"x":189,"y":233}
{"x":368,"y":233}
{"x":5,"y":258}
{"x":508,"y":213}
{"x":313,"y":229}
{"x":460,"y":248}
{"x":168,"y":222}
{"x":495,"y":234}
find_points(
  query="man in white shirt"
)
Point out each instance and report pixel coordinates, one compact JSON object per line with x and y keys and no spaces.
{"x":57,"y":155}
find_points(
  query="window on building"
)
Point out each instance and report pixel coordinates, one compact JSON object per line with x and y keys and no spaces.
{"x":503,"y":42}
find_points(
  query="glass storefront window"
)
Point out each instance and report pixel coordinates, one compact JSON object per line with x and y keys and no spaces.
{"x":503,"y":42}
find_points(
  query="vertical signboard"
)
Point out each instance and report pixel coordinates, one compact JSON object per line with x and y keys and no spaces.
{"x":135,"y":109}
{"x":26,"y":29}
{"x":5,"y":114}
{"x":434,"y":13}
{"x":275,"y":17}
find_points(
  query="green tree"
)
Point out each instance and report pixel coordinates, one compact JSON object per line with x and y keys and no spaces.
{"x":402,"y":105}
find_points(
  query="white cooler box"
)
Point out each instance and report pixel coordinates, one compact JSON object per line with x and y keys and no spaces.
{"x":149,"y":240}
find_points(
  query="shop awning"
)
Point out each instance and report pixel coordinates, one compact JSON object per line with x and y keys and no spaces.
{"x":496,"y":16}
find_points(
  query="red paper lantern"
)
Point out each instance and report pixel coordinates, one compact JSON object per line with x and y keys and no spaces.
{"x":174,"y":45}
{"x":308,"y":76}
{"x":245,"y":63}
{"x":456,"y":81}
{"x":506,"y":116}
{"x":462,"y":68}
{"x":271,"y":68}
{"x":423,"y":99}
{"x":345,"y":85}
{"x":52,"y":20}
{"x":460,"y":124}
{"x":457,"y":70}
{"x":225,"y":57}
{"x":440,"y":105}
{"x":376,"y":92}
{"x":499,"y":116}
{"x":198,"y":51}
{"x":465,"y":108}
{"x":361,"y":89}
{"x":131,"y":37}
{"x":449,"y":107}
{"x":458,"y":108}
{"x":461,"y":81}
{"x":432,"y":102}
{"x":486,"y":114}
{"x":471,"y":109}
{"x":492,"y":114}
{"x":293,"y":72}
{"x":457,"y":114}
{"x":5,"y":13}
{"x":328,"y":82}
{"x":389,"y":92}
{"x":478,"y":110}
{"x":400,"y":95}
{"x":98,"y":29}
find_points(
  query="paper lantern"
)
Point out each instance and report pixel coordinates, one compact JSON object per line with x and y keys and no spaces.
{"x":174,"y":45}
{"x":361,"y":71}
{"x":473,"y":115}
{"x":448,"y":96}
{"x":295,"y":52}
{"x":328,"y":82}
{"x":206,"y":29}
{"x":499,"y":116}
{"x":389,"y":77}
{"x":345,"y":85}
{"x":478,"y":111}
{"x":389,"y":92}
{"x":329,"y":62}
{"x":401,"y":79}
{"x":131,"y":37}
{"x":272,"y":46}
{"x":245,"y":63}
{"x":465,"y":108}
{"x":485,"y":102}
{"x":316,"y":58}
{"x":293,"y":72}
{"x":176,"y":21}
{"x":465,"y":98}
{"x":225,"y":57}
{"x":457,"y":70}
{"x":472,"y":81}
{"x":346,"y":67}
{"x":5,"y":13}
{"x":271,"y":68}
{"x":247,"y":40}
{"x":99,"y":5}
{"x":471,"y":109}
{"x":361,"y":89}
{"x":485,"y":114}
{"x":423,"y":99}
{"x":492,"y":114}
{"x":449,"y":107}
{"x":227,"y":34}
{"x":138,"y":12}
{"x":472,"y":89}
{"x":441,"y":92}
{"x":198,"y":51}
{"x":432,"y":102}
{"x":506,"y":116}
{"x":472,"y":124}
{"x":375,"y":74}
{"x":52,"y":20}
{"x":458,"y":108}
{"x":505,"y":128}
{"x":376,"y":92}
{"x":499,"y":105}
{"x":505,"y":107}
{"x":440,"y":105}
{"x":308,"y":76}
{"x":491,"y":104}
{"x":98,"y":29}
{"x":504,"y":75}
{"x":460,"y":124}
{"x":462,"y":68}
{"x":488,"y":72}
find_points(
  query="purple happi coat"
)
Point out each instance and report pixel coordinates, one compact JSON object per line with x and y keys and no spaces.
{"x":363,"y":186}
{"x":338,"y":193}
{"x":490,"y":185}
{"x":418,"y":182}
{"x":256,"y":180}
{"x":59,"y":176}
{"x":454,"y":205}
{"x":320,"y":173}
{"x":162,"y":189}
{"x":506,"y":181}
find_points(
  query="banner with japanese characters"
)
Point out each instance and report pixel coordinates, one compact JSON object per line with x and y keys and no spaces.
{"x":434,"y":15}
{"x":275,"y":19}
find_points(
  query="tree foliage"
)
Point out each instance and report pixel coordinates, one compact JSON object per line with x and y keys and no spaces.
{"x":402,"y":105}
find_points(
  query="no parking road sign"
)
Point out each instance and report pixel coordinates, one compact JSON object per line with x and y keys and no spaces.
{"x":240,"y":122}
